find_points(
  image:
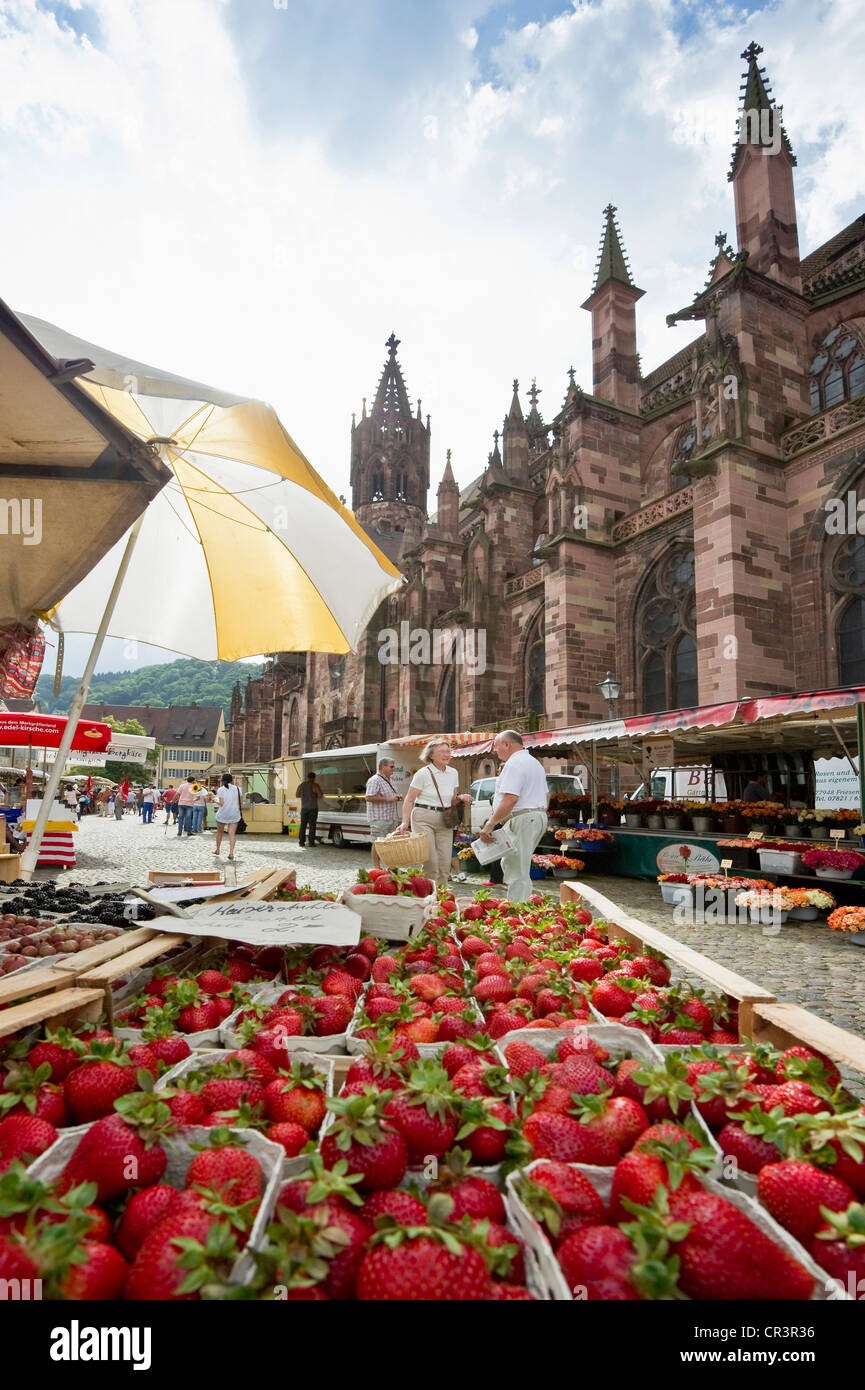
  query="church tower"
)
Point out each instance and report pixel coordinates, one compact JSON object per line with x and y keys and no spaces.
{"x":390,"y":463}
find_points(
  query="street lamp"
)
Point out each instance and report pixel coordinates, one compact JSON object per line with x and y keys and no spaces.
{"x":611,"y":689}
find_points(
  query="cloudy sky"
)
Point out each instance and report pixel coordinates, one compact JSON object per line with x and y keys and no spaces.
{"x":254,"y":193}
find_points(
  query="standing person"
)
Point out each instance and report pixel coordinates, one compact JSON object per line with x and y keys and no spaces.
{"x":309,"y":792}
{"x":756,"y":788}
{"x":118,"y":803}
{"x":148,"y":804}
{"x":185,"y":802}
{"x":198,"y":808}
{"x":382,"y":805}
{"x":433,"y":790}
{"x":227,"y":798}
{"x":521,"y":803}
{"x":169,"y":796}
{"x":70,"y":796}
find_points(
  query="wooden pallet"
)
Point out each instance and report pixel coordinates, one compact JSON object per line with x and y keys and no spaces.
{"x":785,"y":1025}
{"x":638,"y":934}
{"x":34,"y":996}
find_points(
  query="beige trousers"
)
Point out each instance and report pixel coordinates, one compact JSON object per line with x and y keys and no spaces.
{"x":441,"y":841}
{"x":525,"y":830}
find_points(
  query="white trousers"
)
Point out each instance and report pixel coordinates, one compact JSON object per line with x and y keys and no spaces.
{"x":526,"y":830}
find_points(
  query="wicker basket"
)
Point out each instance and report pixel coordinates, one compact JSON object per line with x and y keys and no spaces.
{"x":398,"y":851}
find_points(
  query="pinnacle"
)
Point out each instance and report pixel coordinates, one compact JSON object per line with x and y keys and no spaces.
{"x":516,"y":411}
{"x":448,"y":475}
{"x":759,"y":120}
{"x":612,"y":261}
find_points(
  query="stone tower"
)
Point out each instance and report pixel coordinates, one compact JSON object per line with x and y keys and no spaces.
{"x":390,"y":463}
{"x":615,"y":365}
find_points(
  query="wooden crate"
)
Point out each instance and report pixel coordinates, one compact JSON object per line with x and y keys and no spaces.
{"x":36,"y":996}
{"x":638,"y":934}
{"x":10,"y":867}
{"x":786,"y":1025}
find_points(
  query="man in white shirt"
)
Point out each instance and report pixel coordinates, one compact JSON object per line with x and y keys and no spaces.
{"x":521,"y":802}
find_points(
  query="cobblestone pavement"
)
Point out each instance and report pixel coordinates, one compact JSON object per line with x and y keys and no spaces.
{"x":805,"y":963}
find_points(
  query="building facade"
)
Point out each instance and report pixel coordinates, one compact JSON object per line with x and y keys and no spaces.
{"x":677,"y":527}
{"x":191,"y":739}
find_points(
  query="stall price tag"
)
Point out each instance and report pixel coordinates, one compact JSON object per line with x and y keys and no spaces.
{"x":755,"y":835}
{"x":726,"y":864}
{"x":836,"y":834}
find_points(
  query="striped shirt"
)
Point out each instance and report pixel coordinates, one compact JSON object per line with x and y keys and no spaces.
{"x":378,"y":785}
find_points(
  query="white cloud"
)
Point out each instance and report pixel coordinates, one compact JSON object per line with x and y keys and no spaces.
{"x":145,"y":205}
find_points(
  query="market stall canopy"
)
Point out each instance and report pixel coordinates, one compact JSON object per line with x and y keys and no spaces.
{"x":46,"y":731}
{"x":261,"y":555}
{"x":464,"y":745}
{"x":72,"y":476}
{"x":820,"y":722}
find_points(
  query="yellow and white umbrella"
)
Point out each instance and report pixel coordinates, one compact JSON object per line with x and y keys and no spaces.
{"x":246,"y":550}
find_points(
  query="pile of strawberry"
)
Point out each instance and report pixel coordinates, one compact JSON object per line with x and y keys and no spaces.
{"x":388,"y":883}
{"x":418,"y":994}
{"x":108,"y":1227}
{"x":193,"y":1000}
{"x":663,"y":1234}
{"x":72,"y":1078}
{"x":242,"y":1090}
{"x":785,"y":1119}
{"x":292,"y":893}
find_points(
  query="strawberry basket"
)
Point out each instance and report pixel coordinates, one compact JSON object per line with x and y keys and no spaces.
{"x":406,"y":851}
{"x":229,"y":1035}
{"x":825,"y":1289}
{"x":359,"y":1047}
{"x":396,"y":918}
{"x":180,"y":1151}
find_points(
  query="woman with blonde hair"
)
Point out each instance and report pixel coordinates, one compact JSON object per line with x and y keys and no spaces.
{"x":432,"y":792}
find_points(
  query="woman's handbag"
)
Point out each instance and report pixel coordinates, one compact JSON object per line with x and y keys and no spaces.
{"x":452,"y":815}
{"x":241,"y":824}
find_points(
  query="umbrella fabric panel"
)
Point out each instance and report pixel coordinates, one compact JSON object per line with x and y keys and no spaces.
{"x":46,"y":731}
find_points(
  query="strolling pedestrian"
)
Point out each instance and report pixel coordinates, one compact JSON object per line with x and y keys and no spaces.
{"x":199,"y":808}
{"x":227,"y":798}
{"x":521,"y":801}
{"x":309,"y":792}
{"x":118,"y":803}
{"x":430,"y":805}
{"x":169,"y":798}
{"x":383,"y":803}
{"x":185,"y":803}
{"x":148,"y":804}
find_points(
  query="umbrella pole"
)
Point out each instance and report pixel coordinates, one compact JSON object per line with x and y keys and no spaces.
{"x":31,"y":854}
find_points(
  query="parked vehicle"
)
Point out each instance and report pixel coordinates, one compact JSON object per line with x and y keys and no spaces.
{"x":483,"y":792}
{"x":342,"y":774}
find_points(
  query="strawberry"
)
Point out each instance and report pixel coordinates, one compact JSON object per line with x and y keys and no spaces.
{"x":724,"y":1255}
{"x":423,"y":1112}
{"x":597,"y":1264}
{"x":749,"y":1151}
{"x":700,"y":1013}
{"x":583,"y":1075}
{"x":839,"y":1248}
{"x":119,"y":1152}
{"x":507,"y":1021}
{"x":15,"y":1262}
{"x":341,"y":985}
{"x":370,"y":1144}
{"x":143,"y":1058}
{"x":471,"y":1194}
{"x":801,"y":1064}
{"x":485,"y":1130}
{"x":25,"y":1137}
{"x":562,"y":1138}
{"x":331,"y":1015}
{"x":213,"y":982}
{"x":199,"y":1018}
{"x":640,"y":1173}
{"x":60,"y":1051}
{"x":143,"y":1211}
{"x":522,"y":1058}
{"x":797,"y":1098}
{"x":230,"y":1092}
{"x":172,"y":1263}
{"x":406,"y":1209}
{"x":422,"y":1030}
{"x":556,"y":1194}
{"x":186,"y":1107}
{"x":227,"y":1170}
{"x":611,"y":1000}
{"x":383,"y":968}
{"x":272,"y":1045}
{"x":494,"y":989}
{"x":501,"y":1249}
{"x":92,"y":1088}
{"x":292,"y":1137}
{"x":99,"y":1273}
{"x":795,"y":1193}
{"x":579,"y":1044}
{"x":619,"y":1118}
{"x":253,"y":1064}
{"x":170,"y":1050}
{"x":422,"y":1267}
{"x":649,"y":967}
{"x":674,"y":1036}
{"x":298,"y":1098}
{"x":24,"y":1091}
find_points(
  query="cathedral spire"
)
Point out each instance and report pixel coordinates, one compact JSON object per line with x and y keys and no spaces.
{"x":612,"y":261}
{"x":759,"y":121}
{"x":516,"y":411}
{"x":391,"y":406}
{"x":762,"y":176}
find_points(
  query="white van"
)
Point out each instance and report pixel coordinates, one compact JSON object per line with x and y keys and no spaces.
{"x":483,"y":794}
{"x":680,"y":784}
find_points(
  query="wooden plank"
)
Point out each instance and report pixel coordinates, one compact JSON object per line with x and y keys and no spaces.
{"x":61,"y":1006}
{"x":637,"y":932}
{"x":31,"y":982}
{"x":115,"y":969}
{"x":79,"y":961}
{"x":785,"y":1025}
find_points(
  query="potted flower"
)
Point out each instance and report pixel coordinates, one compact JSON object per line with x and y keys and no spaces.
{"x":631,"y":812}
{"x":808,"y":903}
{"x":732,"y":821}
{"x":741,"y":853}
{"x":564,"y":865}
{"x":860,"y":831}
{"x":702,"y":817}
{"x":674,"y":815}
{"x":788,"y":822}
{"x":592,"y":840}
{"x":846,"y":819}
{"x":607,"y":813}
{"x":833,"y":863}
{"x":675,"y":888}
{"x":760,"y":815}
{"x":540,"y":866}
{"x":769,"y":907}
{"x":850,"y":919}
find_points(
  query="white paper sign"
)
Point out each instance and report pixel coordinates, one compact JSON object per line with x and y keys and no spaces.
{"x":272,"y":923}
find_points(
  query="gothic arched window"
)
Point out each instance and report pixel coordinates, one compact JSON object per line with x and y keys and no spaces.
{"x":401,"y":485}
{"x":536,"y":668}
{"x":449,"y":703}
{"x":293,"y":731}
{"x":848,"y":574}
{"x":336,"y":670}
{"x":377,"y":485}
{"x":666,"y":634}
{"x":837,"y":369}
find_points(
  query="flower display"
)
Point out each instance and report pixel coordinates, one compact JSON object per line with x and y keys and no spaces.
{"x":777,"y":898}
{"x":590,"y":836}
{"x":761,"y":810}
{"x":722,"y":881}
{"x":847,"y":919}
{"x":788,"y":846}
{"x":845,"y":816}
{"x":672,"y":878}
{"x":810,"y":897}
{"x":833,"y":859}
{"x":735,"y":844}
{"x":558,"y":861}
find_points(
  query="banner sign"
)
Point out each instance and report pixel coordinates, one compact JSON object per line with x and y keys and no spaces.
{"x":272,"y":923}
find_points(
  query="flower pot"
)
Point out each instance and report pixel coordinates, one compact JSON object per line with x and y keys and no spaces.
{"x":703,"y":825}
{"x":674,"y":822}
{"x":781,"y":861}
{"x":733,"y":825}
{"x":834,"y":873}
{"x":805,"y":914}
{"x":761,"y":827}
{"x":741,"y":858}
{"x":818,"y":832}
{"x":535,"y":872}
{"x":655,"y":822}
{"x":793,"y":832}
{"x":676,"y":892}
{"x":633,"y":819}
{"x":565,"y":873}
